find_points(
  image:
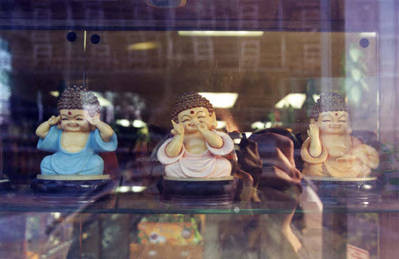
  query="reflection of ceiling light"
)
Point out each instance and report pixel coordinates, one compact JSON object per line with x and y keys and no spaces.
{"x":221,"y":100}
{"x":316,"y":97}
{"x":136,"y":188}
{"x":295,"y":100}
{"x":220,"y":124}
{"x":127,"y":123}
{"x":103,"y":102}
{"x":368,"y":34}
{"x":55,"y":93}
{"x":258,"y":125}
{"x":123,"y":122}
{"x":139,"y":124}
{"x":123,"y":189}
{"x":143,"y":45}
{"x":221,"y":33}
{"x":248,"y":134}
{"x":237,"y":141}
{"x":56,"y":215}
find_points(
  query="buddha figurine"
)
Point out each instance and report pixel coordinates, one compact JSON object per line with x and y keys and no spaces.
{"x":330,"y":150}
{"x":196,"y":149}
{"x":75,"y":136}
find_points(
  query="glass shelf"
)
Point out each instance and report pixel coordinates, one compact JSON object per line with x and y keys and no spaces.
{"x":25,"y":201}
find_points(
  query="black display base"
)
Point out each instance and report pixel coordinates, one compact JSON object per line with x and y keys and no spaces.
{"x":5,"y":185}
{"x":220,"y":192}
{"x":72,"y":188}
{"x":363,"y":191}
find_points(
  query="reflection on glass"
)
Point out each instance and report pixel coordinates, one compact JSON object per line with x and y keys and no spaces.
{"x":5,"y":70}
{"x":221,"y":100}
{"x":222,"y":33}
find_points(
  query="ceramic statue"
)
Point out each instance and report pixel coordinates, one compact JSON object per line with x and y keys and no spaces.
{"x":330,"y":150}
{"x":196,"y":149}
{"x":76,"y":136}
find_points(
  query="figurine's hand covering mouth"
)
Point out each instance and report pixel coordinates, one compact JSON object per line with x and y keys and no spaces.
{"x":53,"y":120}
{"x":202,"y":127}
{"x":178,"y":129}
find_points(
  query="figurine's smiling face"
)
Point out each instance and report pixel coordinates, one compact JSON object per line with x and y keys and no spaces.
{"x":190,"y":118}
{"x":74,"y":120}
{"x":334,"y":122}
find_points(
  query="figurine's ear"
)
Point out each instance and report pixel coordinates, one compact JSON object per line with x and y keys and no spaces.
{"x":349,"y":130}
{"x":214,"y":123}
{"x":94,"y":115}
{"x":312,"y":121}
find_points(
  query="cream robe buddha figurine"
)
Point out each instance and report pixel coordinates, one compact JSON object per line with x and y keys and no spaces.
{"x":330,"y":150}
{"x":196,"y":150}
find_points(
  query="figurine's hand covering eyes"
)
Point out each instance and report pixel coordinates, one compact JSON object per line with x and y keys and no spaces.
{"x":95,"y":120}
{"x":53,"y":120}
{"x":313,"y":131}
{"x":178,"y":128}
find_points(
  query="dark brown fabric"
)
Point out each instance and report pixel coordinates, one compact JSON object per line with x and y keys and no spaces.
{"x":269,"y":158}
{"x":111,"y":165}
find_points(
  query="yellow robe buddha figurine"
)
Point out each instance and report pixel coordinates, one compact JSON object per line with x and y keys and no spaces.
{"x":330,"y":150}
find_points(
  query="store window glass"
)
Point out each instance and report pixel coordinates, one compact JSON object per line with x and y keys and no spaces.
{"x":302,"y":95}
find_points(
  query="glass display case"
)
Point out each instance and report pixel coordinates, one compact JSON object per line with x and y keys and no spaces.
{"x":305,"y":91}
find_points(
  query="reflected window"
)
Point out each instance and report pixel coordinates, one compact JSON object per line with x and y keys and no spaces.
{"x":5,"y":92}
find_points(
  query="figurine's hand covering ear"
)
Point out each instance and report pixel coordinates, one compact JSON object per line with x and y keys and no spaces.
{"x":54,"y":120}
{"x":95,"y":120}
{"x":44,"y":128}
{"x":315,"y":147}
{"x":178,"y":128}
{"x":313,"y":131}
